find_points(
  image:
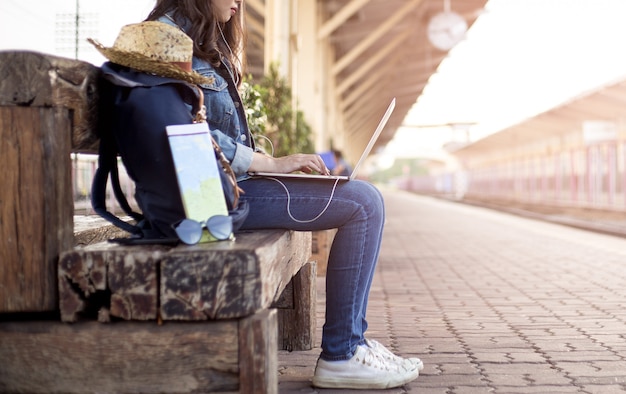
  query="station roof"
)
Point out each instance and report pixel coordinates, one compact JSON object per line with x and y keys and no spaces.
{"x":604,"y":104}
{"x":381,"y":51}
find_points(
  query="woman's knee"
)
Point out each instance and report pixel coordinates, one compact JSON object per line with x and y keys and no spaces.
{"x":367,"y":195}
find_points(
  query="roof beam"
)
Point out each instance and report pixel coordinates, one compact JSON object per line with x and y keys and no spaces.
{"x":363,"y":127}
{"x":257,"y":6}
{"x":256,"y":25}
{"x":383,"y":29}
{"x":359,"y":92}
{"x":371,"y":62}
{"x":343,"y":15}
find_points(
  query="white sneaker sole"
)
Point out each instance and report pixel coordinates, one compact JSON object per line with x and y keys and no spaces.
{"x":360,"y":383}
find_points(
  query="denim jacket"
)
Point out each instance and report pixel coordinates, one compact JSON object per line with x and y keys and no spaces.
{"x":225,"y":112}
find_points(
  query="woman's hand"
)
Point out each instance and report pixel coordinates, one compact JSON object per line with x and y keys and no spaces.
{"x":307,"y":163}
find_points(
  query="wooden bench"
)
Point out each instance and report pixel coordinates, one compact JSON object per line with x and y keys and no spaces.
{"x":109,"y":318}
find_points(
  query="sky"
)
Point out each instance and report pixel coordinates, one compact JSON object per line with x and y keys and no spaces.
{"x":48,"y":25}
{"x":520,"y":58}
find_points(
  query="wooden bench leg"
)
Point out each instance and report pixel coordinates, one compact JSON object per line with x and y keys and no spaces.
{"x":297,"y":325}
{"x":258,"y":357}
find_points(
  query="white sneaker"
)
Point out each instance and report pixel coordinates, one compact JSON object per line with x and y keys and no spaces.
{"x":388,"y":355}
{"x":365,"y":370}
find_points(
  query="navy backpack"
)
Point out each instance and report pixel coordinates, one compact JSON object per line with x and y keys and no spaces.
{"x":134,"y":110}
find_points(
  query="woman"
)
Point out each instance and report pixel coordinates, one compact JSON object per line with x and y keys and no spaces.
{"x":347,"y":360}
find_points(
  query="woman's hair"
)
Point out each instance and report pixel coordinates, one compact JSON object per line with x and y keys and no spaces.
{"x":206,"y":31}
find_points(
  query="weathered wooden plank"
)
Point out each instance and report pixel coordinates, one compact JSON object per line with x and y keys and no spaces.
{"x":285,"y":301}
{"x":44,"y":101}
{"x":123,"y":357}
{"x":258,"y":358}
{"x":35,"y":205}
{"x":109,"y":279}
{"x":133,"y":285}
{"x":34,"y":79}
{"x":230,"y":279}
{"x":209,"y":281}
{"x":92,"y":229}
{"x":281,"y":260}
{"x":297,"y":324}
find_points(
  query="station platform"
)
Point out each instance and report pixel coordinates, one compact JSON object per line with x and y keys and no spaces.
{"x":491,"y":302}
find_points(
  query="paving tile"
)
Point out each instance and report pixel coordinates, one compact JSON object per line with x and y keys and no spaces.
{"x":449,"y":380}
{"x":604,"y":389}
{"x":537,"y":389}
{"x":491,"y":302}
{"x":583,"y":356}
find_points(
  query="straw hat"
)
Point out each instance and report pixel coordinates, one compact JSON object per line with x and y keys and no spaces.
{"x":154,"y":47}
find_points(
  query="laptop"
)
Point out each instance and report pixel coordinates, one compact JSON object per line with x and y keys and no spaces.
{"x":366,"y":152}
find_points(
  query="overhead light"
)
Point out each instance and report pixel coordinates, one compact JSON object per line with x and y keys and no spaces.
{"x":446,"y":29}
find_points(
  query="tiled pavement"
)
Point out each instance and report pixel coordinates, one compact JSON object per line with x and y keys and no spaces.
{"x":492,"y":303}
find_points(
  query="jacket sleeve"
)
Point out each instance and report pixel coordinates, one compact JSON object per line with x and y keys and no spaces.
{"x":239,"y":155}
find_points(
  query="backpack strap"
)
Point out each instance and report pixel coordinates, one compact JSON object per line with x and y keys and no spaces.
{"x":107,"y":165}
{"x":119,"y":194}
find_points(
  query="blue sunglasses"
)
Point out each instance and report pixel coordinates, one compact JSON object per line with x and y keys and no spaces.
{"x":189,"y":231}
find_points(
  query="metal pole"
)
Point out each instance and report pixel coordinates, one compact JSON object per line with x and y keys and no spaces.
{"x":76,"y":30}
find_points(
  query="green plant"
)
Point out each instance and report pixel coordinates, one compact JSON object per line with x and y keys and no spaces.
{"x":270,"y":114}
{"x":253,"y":103}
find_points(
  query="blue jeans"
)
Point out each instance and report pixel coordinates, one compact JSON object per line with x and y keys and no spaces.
{"x":357,"y":211}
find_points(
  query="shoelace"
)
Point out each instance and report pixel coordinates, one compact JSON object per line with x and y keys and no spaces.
{"x":379,"y":348}
{"x":375,"y":360}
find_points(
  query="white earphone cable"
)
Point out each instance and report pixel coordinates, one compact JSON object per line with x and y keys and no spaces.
{"x":332,"y":193}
